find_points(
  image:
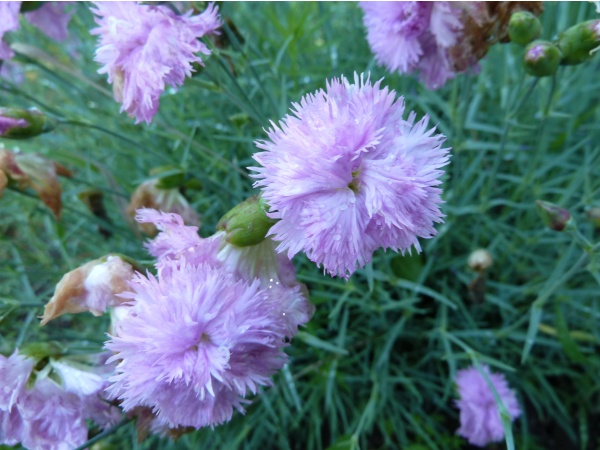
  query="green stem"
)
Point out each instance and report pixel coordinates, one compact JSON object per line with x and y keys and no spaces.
{"x":79,"y":123}
{"x":104,"y":434}
{"x":500,"y":152}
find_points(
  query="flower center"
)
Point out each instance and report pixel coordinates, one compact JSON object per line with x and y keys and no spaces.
{"x":354,"y":184}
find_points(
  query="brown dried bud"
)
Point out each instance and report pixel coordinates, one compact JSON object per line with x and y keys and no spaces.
{"x":553,"y":216}
{"x":91,"y":287}
{"x":31,"y":170}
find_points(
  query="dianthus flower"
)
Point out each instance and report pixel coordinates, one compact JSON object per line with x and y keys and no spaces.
{"x":194,"y":342}
{"x":414,"y":36}
{"x":274,"y":270}
{"x":9,"y":21}
{"x":480,"y":421}
{"x":52,"y":19}
{"x":143,"y":48}
{"x":48,"y":413}
{"x":346,"y":174}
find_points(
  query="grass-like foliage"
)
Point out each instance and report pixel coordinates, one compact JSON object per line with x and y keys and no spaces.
{"x":375,"y":367}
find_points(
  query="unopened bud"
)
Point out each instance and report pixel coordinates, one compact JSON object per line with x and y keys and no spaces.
{"x":247,"y":223}
{"x":148,"y":195}
{"x":24,"y":123}
{"x":524,"y":27}
{"x":41,"y":350}
{"x":92,"y":287}
{"x":594,"y":216}
{"x":579,"y":42}
{"x":553,"y":216}
{"x":541,"y":58}
{"x":480,"y":260}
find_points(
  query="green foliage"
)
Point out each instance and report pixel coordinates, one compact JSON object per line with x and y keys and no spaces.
{"x":375,"y":367}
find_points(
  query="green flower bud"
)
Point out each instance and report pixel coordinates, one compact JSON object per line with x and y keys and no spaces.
{"x":24,"y":123}
{"x":553,"y":216}
{"x":169,"y":177}
{"x":541,"y":58}
{"x":247,"y":223}
{"x":578,"y":43}
{"x":593,"y":216}
{"x":41,"y":350}
{"x":524,"y":27}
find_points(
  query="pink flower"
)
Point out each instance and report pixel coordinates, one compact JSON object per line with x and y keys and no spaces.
{"x":144,"y":48}
{"x":195,"y":341}
{"x":480,"y":421}
{"x":9,"y":21}
{"x":346,"y":174}
{"x":414,"y":37}
{"x":49,"y":412}
{"x":52,"y":19}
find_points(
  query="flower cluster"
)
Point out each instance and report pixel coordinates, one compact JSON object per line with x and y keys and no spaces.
{"x":480,"y":421}
{"x":143,"y":48}
{"x":207,"y":330}
{"x":347,"y":174}
{"x":49,"y":412}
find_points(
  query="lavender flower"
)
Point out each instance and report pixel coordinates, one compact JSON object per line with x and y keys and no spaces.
{"x":52,"y":19}
{"x":41,"y":413}
{"x":414,"y":37}
{"x":9,"y":21}
{"x":480,"y":421}
{"x":347,"y":174}
{"x":143,"y":48}
{"x":195,"y":341}
{"x":275,"y":271}
{"x":14,"y":373}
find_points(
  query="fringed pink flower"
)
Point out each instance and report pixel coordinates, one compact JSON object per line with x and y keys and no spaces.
{"x":346,"y":174}
{"x":143,"y":48}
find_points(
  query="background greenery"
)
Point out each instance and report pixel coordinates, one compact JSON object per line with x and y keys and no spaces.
{"x":375,"y":367}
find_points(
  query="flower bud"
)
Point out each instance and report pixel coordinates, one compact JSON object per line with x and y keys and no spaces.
{"x":480,"y":260}
{"x":553,"y":216}
{"x":41,"y":350}
{"x":524,"y":27}
{"x":578,"y":43}
{"x":541,"y":58}
{"x":149,"y":195}
{"x":31,"y":170}
{"x":593,"y":216}
{"x":92,"y":287}
{"x":24,"y":123}
{"x":247,"y":223}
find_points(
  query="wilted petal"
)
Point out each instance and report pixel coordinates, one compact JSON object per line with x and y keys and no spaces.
{"x":92,"y":287}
